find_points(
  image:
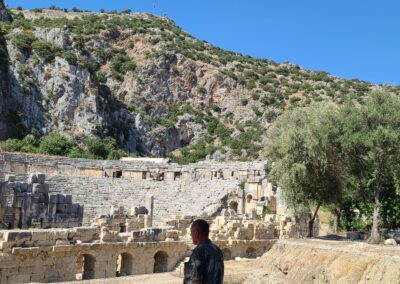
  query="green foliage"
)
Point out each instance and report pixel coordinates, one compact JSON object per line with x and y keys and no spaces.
{"x":347,"y":157}
{"x":256,"y":111}
{"x":23,"y":41}
{"x":113,"y":31}
{"x":23,"y":70}
{"x":28,"y":144}
{"x":88,"y":63}
{"x":55,"y":144}
{"x":194,"y":153}
{"x":308,"y":164}
{"x":46,"y":50}
{"x":104,"y":55}
{"x":371,"y":140}
{"x":244,"y":101}
{"x":101,"y":77}
{"x":247,"y":140}
{"x":354,"y":215}
{"x":104,"y":148}
{"x":255,"y":96}
{"x":121,"y":64}
{"x":70,"y":57}
{"x":294,"y":100}
{"x":266,"y":211}
{"x":201,"y":90}
{"x":270,"y":115}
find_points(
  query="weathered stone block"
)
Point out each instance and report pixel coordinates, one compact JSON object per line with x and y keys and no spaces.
{"x":53,"y":199}
{"x":23,"y":186}
{"x":10,"y":178}
{"x":41,"y":178}
{"x":37,"y":188}
{"x":61,"y":208}
{"x":11,"y":185}
{"x":60,"y":198}
{"x":32,"y":178}
{"x":45,"y":189}
{"x":40,"y":235}
{"x":68,"y":199}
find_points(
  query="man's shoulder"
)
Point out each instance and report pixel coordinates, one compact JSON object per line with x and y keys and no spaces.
{"x":207,"y":245}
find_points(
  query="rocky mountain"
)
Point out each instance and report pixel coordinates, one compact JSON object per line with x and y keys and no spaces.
{"x":147,"y":83}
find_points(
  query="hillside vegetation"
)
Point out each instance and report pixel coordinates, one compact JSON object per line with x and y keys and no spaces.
{"x":147,"y":85}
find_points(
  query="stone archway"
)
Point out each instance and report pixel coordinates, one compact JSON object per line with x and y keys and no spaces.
{"x":227,"y":254}
{"x":160,"y":262}
{"x":124,"y":264}
{"x":251,"y":252}
{"x":85,"y":265}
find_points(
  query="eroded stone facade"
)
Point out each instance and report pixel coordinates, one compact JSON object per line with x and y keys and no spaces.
{"x":84,"y":253}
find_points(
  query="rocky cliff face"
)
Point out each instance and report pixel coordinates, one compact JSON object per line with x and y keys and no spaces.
{"x":4,"y":86}
{"x":4,"y":14}
{"x":143,"y":81}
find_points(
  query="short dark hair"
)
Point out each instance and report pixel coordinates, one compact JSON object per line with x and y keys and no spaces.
{"x":201,"y":226}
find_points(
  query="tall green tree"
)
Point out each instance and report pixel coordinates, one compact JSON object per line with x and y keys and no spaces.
{"x":371,"y":141}
{"x":306,"y":154}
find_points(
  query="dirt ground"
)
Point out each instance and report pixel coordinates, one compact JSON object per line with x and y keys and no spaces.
{"x":321,"y":261}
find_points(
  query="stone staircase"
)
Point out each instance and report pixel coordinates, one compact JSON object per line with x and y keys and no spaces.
{"x":179,"y":268}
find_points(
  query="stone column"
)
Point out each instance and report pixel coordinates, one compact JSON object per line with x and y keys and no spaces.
{"x":150,"y":205}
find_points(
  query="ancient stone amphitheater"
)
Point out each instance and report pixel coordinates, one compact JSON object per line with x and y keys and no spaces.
{"x":127,"y":221}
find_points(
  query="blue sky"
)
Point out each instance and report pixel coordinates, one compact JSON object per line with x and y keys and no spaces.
{"x":349,"y":39}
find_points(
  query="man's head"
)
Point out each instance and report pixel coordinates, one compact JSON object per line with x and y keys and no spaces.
{"x":199,"y":231}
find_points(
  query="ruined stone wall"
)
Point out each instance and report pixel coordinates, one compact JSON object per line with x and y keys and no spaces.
{"x":59,"y":255}
{"x":21,"y":163}
{"x":29,"y":204}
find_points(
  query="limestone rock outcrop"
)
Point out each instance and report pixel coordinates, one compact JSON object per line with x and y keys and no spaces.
{"x":169,"y":91}
{"x":4,"y":14}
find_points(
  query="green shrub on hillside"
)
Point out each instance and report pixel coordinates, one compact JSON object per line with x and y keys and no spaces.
{"x":255,"y":96}
{"x":70,"y":57}
{"x":46,"y":50}
{"x":122,"y":64}
{"x":104,"y":148}
{"x":244,"y":102}
{"x":55,"y":144}
{"x":23,"y":41}
{"x":194,"y":153}
{"x":28,"y":144}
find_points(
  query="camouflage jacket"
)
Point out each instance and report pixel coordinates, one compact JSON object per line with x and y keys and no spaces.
{"x":206,"y":264}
